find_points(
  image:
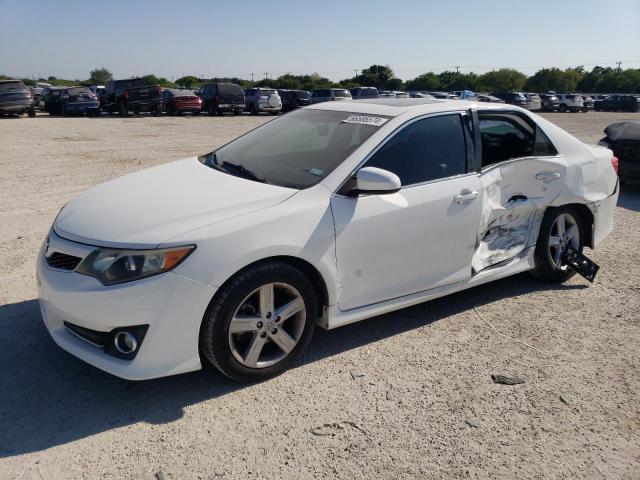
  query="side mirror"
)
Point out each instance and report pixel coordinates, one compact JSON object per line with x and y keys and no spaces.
{"x":372,"y":180}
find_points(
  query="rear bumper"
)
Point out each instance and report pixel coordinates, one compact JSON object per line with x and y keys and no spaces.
{"x":603,"y":216}
{"x":16,"y":107}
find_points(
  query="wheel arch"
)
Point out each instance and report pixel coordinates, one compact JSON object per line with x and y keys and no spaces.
{"x":308,"y":270}
{"x":586,"y":217}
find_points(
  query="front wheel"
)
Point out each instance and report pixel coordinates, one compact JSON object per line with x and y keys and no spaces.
{"x":561,"y":228}
{"x":260,"y":322}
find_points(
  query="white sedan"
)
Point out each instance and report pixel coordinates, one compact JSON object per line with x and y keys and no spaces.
{"x":327,"y":215}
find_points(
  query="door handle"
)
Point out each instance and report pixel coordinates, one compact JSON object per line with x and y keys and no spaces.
{"x":548,"y":176}
{"x":465,"y":195}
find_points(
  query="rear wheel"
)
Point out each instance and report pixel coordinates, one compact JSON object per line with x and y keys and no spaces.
{"x":561,"y":227}
{"x":260,"y":322}
{"x":32,"y":112}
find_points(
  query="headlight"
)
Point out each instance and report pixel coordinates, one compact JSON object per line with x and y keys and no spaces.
{"x":111,"y":266}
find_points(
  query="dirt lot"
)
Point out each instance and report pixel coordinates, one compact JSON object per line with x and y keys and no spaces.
{"x":391,"y":397}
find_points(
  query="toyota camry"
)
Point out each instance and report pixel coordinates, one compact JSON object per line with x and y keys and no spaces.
{"x":325,"y":216}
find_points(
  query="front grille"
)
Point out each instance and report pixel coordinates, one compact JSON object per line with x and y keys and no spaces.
{"x":63,"y":261}
{"x":94,"y":337}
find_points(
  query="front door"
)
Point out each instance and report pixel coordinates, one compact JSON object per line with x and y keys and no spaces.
{"x":422,"y":237}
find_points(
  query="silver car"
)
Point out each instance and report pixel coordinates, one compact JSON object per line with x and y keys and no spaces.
{"x":262,"y":99}
{"x":330,"y":95}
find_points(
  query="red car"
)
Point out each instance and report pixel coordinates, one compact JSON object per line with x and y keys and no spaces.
{"x":175,"y":102}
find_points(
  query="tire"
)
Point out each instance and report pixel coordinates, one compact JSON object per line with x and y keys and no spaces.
{"x":585,"y":109}
{"x":240,"y":297}
{"x":237,"y":112}
{"x":546,"y":266}
{"x":196,"y":112}
{"x":122,"y":109}
{"x":32,"y":112}
{"x":563,"y":108}
{"x":157,"y":111}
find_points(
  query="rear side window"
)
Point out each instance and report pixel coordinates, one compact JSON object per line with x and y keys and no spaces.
{"x":229,"y":89}
{"x":508,"y":136}
{"x":425,"y":150}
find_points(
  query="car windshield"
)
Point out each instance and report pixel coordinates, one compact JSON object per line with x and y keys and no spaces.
{"x":321,"y":93}
{"x":297,"y":150}
{"x":8,"y":86}
{"x":303,"y":95}
{"x":341,"y":93}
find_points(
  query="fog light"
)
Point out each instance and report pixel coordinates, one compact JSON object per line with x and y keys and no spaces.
{"x":125,"y":342}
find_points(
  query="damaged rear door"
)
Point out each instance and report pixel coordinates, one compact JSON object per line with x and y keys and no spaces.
{"x":521,"y":175}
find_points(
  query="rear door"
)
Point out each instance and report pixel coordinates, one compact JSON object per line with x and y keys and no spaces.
{"x":422,"y":237}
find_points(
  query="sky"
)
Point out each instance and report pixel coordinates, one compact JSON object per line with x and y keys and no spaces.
{"x":68,"y":38}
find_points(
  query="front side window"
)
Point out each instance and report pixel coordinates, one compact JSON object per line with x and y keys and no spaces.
{"x":297,"y":150}
{"x":425,"y":150}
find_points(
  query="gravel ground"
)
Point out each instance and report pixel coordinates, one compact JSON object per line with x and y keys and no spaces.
{"x":404,"y":395}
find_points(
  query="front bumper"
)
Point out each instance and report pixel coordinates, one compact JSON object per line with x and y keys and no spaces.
{"x":172,"y":306}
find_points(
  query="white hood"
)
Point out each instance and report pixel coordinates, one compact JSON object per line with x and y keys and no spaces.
{"x":151,"y":206}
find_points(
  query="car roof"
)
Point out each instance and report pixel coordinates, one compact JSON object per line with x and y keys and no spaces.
{"x":394,"y":107}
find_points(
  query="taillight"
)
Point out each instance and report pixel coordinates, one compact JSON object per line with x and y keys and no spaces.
{"x":614,"y":162}
{"x":125,"y":94}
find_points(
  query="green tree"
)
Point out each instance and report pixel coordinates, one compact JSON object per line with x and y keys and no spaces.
{"x":100,"y":76}
{"x":188,"y":81}
{"x":425,"y":82}
{"x":288,"y":81}
{"x":380,"y":76}
{"x":502,"y":80}
{"x":554,"y":79}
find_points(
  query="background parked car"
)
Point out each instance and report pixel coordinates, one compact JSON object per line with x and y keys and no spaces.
{"x":464,"y":94}
{"x":483,"y":97}
{"x":588,"y":103}
{"x":623,"y":139}
{"x":570,"y":102}
{"x":329,"y":95}
{"x":218,"y":98}
{"x":133,"y":94}
{"x":421,"y":95}
{"x":386,"y":94}
{"x":263,"y":99}
{"x":623,"y":103}
{"x":37,"y":91}
{"x":77,"y":101}
{"x":534,"y":102}
{"x":16,"y":98}
{"x":360,"y":93}
{"x":549,"y":102}
{"x":50,"y":100}
{"x":292,"y":99}
{"x":512,"y":98}
{"x":442,"y":95}
{"x":176,"y":102}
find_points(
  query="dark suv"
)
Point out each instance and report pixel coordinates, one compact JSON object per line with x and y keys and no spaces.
{"x":292,"y":99}
{"x":512,"y":98}
{"x":363,"y":93}
{"x":218,"y":98}
{"x":549,"y":102}
{"x":623,"y":103}
{"x":16,"y":98}
{"x":132,"y":94}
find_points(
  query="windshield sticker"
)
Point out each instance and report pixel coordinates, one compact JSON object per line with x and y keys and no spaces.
{"x":366,"y":120}
{"x":316,"y":171}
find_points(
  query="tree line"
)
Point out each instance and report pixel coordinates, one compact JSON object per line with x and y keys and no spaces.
{"x":599,"y":79}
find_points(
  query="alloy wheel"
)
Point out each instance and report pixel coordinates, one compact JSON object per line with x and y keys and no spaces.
{"x":564,"y":233}
{"x":267,"y":325}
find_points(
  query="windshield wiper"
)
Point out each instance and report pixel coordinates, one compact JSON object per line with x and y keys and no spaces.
{"x":242,"y":171}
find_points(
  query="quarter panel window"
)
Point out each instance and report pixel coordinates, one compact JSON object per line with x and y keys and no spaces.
{"x":428,"y":149}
